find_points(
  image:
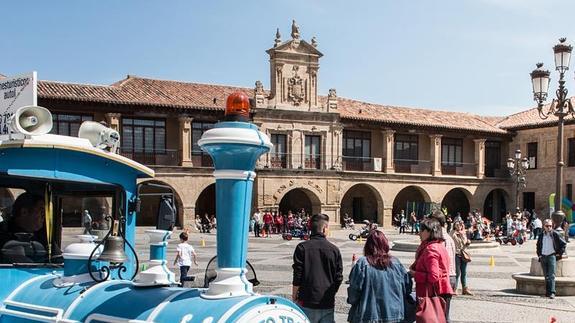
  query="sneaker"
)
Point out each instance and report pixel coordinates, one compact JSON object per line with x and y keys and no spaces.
{"x":552,"y":296}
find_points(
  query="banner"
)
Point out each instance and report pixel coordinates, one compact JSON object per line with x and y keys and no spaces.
{"x":16,"y":92}
{"x":551,"y":203}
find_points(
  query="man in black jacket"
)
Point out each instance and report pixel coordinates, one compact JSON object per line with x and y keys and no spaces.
{"x":550,"y":248}
{"x":317,"y":273}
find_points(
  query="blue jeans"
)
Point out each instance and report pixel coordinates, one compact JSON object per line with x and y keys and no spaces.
{"x":319,"y":315}
{"x":549,"y":264}
{"x":461,"y":271}
{"x":183,"y":273}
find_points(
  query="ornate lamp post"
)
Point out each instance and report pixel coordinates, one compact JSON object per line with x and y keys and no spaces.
{"x":559,"y":107}
{"x":517,"y":167}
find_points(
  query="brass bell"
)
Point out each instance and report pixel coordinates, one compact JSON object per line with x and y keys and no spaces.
{"x":113,"y":247}
{"x":113,"y":250}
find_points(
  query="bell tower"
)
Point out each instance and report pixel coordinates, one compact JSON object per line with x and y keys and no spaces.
{"x":294,"y":66}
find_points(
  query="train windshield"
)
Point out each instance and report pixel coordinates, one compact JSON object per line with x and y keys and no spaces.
{"x":39,"y":218}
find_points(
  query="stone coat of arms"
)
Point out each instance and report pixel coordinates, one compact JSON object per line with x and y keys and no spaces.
{"x":295,"y":88}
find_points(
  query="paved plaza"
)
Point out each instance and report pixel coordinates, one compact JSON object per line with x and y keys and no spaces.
{"x":495,"y":299}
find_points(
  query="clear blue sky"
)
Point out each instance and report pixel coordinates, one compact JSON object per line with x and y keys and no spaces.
{"x":459,"y":55}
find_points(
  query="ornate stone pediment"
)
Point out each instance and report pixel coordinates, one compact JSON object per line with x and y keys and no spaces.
{"x":298,"y":46}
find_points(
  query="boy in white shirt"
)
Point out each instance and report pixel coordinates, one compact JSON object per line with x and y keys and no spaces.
{"x":184,"y":257}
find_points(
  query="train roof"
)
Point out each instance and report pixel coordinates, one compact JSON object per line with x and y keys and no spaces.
{"x":65,"y":158}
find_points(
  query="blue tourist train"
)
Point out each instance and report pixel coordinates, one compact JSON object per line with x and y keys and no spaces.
{"x":97,"y":278}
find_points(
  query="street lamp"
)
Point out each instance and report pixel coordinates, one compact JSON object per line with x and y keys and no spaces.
{"x":560,"y":108}
{"x":517,"y":167}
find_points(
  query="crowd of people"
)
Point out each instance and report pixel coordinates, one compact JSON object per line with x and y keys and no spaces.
{"x":263,"y":224}
{"x":523,"y":224}
{"x":380,"y":286}
{"x":205,"y":223}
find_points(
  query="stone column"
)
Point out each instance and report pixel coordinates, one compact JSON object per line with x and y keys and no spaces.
{"x":113,"y":120}
{"x":188,"y":218}
{"x":388,"y":145}
{"x":479,"y":157}
{"x":336,"y":147}
{"x":186,"y":141}
{"x":435,"y":154}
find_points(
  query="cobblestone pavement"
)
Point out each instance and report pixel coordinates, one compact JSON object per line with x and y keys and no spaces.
{"x":495,"y":299}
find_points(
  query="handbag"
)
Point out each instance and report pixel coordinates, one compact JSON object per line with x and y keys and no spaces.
{"x":430,"y":308}
{"x":465,"y":256}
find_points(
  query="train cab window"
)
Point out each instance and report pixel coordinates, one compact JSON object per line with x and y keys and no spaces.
{"x":25,"y":239}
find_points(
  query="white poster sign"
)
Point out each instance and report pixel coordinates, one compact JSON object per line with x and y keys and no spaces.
{"x":16,"y":92}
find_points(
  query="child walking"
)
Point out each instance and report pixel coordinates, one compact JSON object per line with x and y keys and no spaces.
{"x":184,"y":257}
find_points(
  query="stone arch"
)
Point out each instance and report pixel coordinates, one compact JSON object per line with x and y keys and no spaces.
{"x":298,"y":198}
{"x":457,"y":200}
{"x":362,"y":202}
{"x":495,"y":204}
{"x":151,"y":193}
{"x":412,"y":198}
{"x":206,"y":201}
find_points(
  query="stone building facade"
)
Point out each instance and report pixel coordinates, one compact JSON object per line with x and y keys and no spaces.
{"x":331,"y":154}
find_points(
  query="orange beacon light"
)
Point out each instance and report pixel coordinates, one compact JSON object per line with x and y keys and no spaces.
{"x":237,"y":107}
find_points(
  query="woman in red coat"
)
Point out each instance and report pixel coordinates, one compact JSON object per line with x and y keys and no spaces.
{"x":431,"y":267}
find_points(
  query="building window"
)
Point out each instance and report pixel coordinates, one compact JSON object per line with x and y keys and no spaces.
{"x":144,"y":136}
{"x":312,"y":152}
{"x":199,"y":157}
{"x":68,"y":124}
{"x":532,"y":155}
{"x":451,"y":151}
{"x":278,"y":153}
{"x":492,"y":158}
{"x":571,"y":152}
{"x":356,"y":150}
{"x":406,"y":149}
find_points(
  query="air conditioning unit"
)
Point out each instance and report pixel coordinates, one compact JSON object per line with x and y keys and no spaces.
{"x":377,"y":164}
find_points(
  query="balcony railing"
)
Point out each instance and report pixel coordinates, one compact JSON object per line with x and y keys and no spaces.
{"x":362,"y":164}
{"x":412,"y":166}
{"x":461,"y":169}
{"x":166,"y":157}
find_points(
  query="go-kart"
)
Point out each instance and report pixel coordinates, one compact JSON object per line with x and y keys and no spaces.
{"x":296,"y":233}
{"x":514,"y":239}
{"x":363,"y":233}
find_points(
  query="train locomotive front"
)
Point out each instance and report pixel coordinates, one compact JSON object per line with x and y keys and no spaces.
{"x":96,"y":279}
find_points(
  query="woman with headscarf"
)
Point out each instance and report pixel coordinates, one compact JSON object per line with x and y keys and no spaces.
{"x":378,"y":284}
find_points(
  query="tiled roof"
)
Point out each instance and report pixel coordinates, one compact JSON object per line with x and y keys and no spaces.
{"x":352,"y":109}
{"x":529,"y":118}
{"x":161,"y":93}
{"x":143,"y":91}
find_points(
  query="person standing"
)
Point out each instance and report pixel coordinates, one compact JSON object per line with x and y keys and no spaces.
{"x":451,"y":252}
{"x":550,"y":248}
{"x":184,"y":257}
{"x":431,"y":267}
{"x":268,"y":223}
{"x":378,"y":284}
{"x":317,"y":273}
{"x":402,"y":222}
{"x":257,"y":217}
{"x":459,"y":237}
{"x":414,"y":223}
{"x":537,"y":227}
{"x":87,"y":222}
